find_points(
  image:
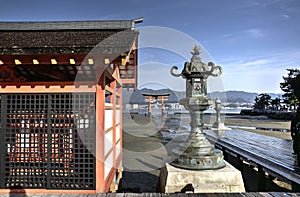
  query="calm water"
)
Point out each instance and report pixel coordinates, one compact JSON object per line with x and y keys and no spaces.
{"x":209,"y":111}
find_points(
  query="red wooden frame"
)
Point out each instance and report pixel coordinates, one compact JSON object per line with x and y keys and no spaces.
{"x":110,"y":76}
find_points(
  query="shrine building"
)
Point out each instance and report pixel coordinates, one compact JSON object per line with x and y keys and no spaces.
{"x":61,"y":104}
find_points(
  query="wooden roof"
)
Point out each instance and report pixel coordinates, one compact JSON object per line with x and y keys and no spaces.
{"x":67,"y":25}
{"x":18,"y":38}
{"x":23,"y":43}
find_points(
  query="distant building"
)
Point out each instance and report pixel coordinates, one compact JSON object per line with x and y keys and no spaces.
{"x":61,"y":104}
{"x":135,"y":106}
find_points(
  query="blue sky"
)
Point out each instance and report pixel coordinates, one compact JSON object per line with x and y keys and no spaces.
{"x":255,"y":41}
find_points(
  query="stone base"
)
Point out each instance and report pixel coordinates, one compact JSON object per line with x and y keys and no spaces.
{"x":187,"y":160}
{"x":227,"y":179}
{"x":220,"y":126}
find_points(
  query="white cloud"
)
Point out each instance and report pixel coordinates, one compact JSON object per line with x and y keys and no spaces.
{"x":257,"y":63}
{"x":254,"y":32}
{"x":239,"y":36}
{"x":258,"y":74}
{"x":285,"y":16}
{"x":274,"y":60}
{"x":253,"y":74}
{"x":229,"y":35}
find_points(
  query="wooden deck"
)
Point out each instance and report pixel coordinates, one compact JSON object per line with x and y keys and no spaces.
{"x":256,"y":194}
{"x":270,"y":154}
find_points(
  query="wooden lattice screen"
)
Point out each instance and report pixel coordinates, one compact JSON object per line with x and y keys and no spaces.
{"x":47,"y":141}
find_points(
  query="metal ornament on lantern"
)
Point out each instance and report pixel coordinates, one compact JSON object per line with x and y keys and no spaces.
{"x":197,"y":153}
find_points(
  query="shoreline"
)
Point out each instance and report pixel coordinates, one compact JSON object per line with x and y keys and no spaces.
{"x":256,"y":124}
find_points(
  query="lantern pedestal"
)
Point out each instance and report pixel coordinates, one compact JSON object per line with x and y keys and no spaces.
{"x":197,"y":166}
{"x":173,"y":179}
{"x":219,"y":125}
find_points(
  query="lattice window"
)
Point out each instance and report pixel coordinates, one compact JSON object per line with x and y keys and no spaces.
{"x":49,"y":141}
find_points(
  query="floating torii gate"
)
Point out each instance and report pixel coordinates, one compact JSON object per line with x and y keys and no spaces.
{"x":158,"y":97}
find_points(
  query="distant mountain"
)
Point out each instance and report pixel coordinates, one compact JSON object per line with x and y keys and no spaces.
{"x":136,"y":97}
{"x":234,"y":96}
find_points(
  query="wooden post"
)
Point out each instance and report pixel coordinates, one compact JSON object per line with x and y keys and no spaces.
{"x":295,"y":187}
{"x":114,"y":102}
{"x":162,"y":106}
{"x":149,"y":105}
{"x":100,"y":113}
{"x":135,"y":60}
{"x":240,"y":163}
{"x":225,"y":154}
{"x":261,"y":182}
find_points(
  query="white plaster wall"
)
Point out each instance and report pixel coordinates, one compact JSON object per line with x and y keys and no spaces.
{"x":118,"y":115}
{"x":108,"y":165}
{"x":108,"y":119}
{"x":118,"y":133}
{"x":108,"y":142}
{"x":118,"y":150}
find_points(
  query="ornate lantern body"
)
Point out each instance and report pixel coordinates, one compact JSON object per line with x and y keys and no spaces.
{"x":197,"y":152}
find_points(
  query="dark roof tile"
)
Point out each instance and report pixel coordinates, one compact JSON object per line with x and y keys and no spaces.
{"x":65,"y":37}
{"x":70,"y":25}
{"x":59,"y":42}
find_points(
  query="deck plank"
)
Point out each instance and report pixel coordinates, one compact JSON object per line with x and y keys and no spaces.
{"x":271,"y":153}
{"x":248,"y":194}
